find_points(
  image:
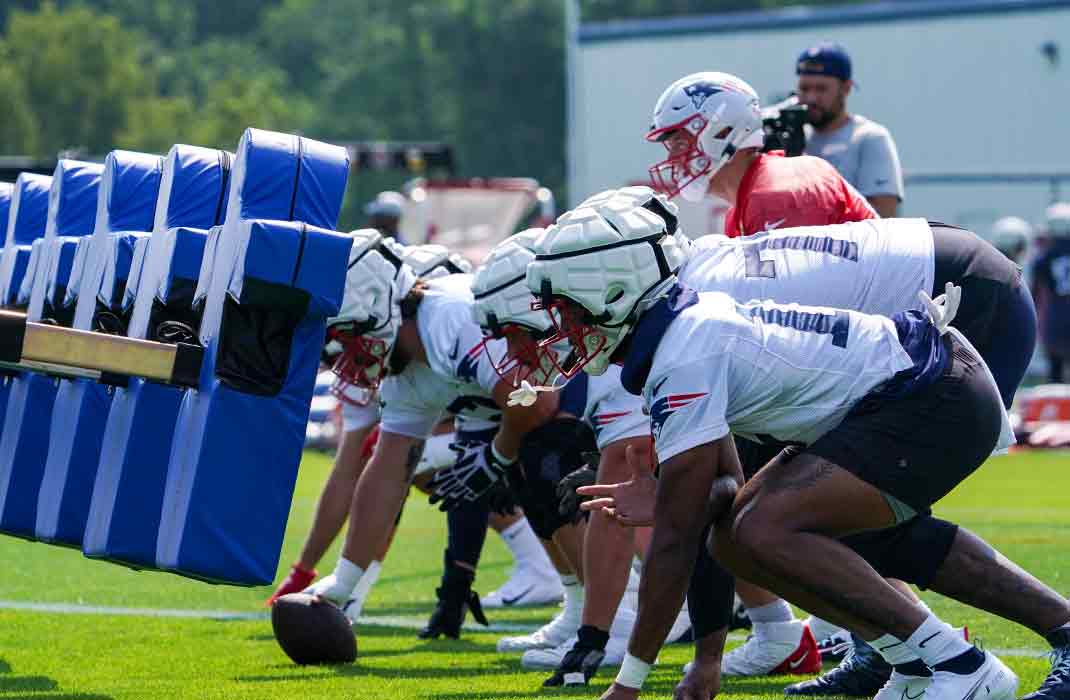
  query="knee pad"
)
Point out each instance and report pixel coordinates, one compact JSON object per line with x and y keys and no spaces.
{"x":912,"y":551}
{"x":546,"y":455}
{"x":711,"y":593}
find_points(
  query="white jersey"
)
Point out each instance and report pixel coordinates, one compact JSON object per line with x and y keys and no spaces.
{"x":458,"y":378}
{"x":876,"y":266}
{"x":603,"y":404}
{"x":762,"y":369}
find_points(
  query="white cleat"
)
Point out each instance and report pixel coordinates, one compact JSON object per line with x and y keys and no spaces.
{"x":991,"y":681}
{"x":554,"y":633}
{"x":527,"y":586}
{"x":550,"y":659}
{"x":903,"y":687}
{"x":774,"y":648}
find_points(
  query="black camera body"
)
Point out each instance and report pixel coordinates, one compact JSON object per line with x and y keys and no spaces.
{"x":782,"y":124}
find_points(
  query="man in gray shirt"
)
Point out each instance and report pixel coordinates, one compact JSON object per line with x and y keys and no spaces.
{"x":861,"y":150}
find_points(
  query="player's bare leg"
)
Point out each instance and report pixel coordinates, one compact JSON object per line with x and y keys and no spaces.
{"x":533,"y":580}
{"x":332,"y":509}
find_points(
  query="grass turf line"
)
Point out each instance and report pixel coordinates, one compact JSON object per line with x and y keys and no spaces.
{"x":1018,"y":503}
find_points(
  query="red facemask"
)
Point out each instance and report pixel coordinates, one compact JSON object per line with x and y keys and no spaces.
{"x":361,"y":364}
{"x":686,"y":161}
{"x":571,"y":325}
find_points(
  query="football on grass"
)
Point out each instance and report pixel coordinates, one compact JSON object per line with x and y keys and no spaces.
{"x":312,"y":631}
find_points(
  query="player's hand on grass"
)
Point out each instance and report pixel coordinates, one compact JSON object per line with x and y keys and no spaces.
{"x":630,"y":503}
{"x":620,"y":692}
{"x":701,"y":682}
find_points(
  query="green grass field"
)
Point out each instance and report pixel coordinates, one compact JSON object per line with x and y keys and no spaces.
{"x":1019,"y":503}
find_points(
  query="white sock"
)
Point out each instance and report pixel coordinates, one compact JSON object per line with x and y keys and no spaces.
{"x":893,"y":650}
{"x":777,"y":611}
{"x":363,"y":588}
{"x":821,"y":629}
{"x":935,"y":641}
{"x":573,"y":597}
{"x":525,"y":546}
{"x":347,"y":574}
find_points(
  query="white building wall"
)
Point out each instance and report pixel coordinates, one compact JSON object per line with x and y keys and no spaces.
{"x":972,"y":92}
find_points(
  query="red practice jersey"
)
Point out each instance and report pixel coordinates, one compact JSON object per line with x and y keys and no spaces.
{"x":778,"y":192}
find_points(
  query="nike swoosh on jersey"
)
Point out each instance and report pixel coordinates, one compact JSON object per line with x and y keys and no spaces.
{"x":926,"y":640}
{"x":658,"y":385}
{"x":797,"y":664}
{"x":510,"y":601}
{"x":770,"y":225}
{"x":456,"y":348}
{"x":907,"y":696}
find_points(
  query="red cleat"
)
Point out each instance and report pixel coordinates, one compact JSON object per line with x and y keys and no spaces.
{"x":298,"y":580}
{"x":806,"y":659}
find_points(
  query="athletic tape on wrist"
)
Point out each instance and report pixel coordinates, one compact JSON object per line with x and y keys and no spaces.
{"x":632,"y":672}
{"x":498,"y":456}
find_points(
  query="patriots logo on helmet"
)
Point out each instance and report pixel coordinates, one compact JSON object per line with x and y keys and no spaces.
{"x":700,"y":92}
{"x":466,"y":368}
{"x":668,"y":405}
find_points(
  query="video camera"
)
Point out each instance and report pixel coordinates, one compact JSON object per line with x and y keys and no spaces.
{"x":783,"y":126}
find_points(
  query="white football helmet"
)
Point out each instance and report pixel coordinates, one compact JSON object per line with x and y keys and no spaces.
{"x":1057,"y":220}
{"x":429,"y":261}
{"x":1010,"y":235}
{"x":362,"y":335}
{"x":614,"y":259}
{"x":703,"y":119}
{"x":503,"y":309}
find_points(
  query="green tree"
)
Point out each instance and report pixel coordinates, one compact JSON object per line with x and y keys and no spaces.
{"x":18,"y":133}
{"x":81,"y":72}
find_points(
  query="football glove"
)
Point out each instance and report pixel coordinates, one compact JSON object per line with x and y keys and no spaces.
{"x":568,"y":501}
{"x":468,"y":478}
{"x":297,"y":580}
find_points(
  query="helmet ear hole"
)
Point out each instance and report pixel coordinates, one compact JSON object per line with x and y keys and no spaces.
{"x":614,"y":293}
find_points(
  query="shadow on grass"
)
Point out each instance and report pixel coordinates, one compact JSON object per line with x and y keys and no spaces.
{"x":12,"y":684}
{"x":5,"y":667}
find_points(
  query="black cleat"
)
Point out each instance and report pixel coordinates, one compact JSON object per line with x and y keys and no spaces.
{"x":582,"y":660}
{"x":1057,"y":685}
{"x":835,"y":647}
{"x":455,"y":599}
{"x":860,"y":675}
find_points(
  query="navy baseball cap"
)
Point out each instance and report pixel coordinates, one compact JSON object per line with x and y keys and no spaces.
{"x":825,"y":58}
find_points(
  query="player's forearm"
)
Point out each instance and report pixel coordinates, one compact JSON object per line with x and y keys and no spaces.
{"x":666,"y":573}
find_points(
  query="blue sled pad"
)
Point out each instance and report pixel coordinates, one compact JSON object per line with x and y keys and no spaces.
{"x":24,"y":444}
{"x":78,"y":420}
{"x":127,"y":497}
{"x":230,"y":479}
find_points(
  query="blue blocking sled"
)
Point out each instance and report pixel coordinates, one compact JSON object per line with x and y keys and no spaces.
{"x":267,"y":288}
{"x":230,"y":479}
{"x":124,"y":511}
{"x":23,"y":210}
{"x":189,"y":185}
{"x":68,"y":206}
{"x":124,"y":514}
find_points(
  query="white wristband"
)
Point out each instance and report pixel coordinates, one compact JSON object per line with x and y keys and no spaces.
{"x":632,"y":672}
{"x":498,"y":456}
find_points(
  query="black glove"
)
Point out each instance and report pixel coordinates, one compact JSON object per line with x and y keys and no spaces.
{"x":469,"y":478}
{"x":568,"y":501}
{"x":501,"y":498}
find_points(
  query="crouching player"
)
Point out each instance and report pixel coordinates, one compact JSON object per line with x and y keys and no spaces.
{"x":892,"y":413}
{"x":416,"y":343}
{"x":618,"y":425}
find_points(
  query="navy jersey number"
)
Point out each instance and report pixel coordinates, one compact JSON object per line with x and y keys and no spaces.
{"x":756,"y":267}
{"x":837,"y":325}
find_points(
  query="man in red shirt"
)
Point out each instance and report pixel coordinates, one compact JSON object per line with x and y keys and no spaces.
{"x":711,"y":126}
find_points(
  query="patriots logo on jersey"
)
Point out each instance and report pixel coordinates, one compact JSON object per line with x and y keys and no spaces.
{"x":600,"y":420}
{"x":668,"y":405}
{"x":466,"y":368}
{"x":700,"y":92}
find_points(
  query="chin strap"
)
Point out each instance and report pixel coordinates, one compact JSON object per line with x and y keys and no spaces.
{"x":527,"y":394}
{"x":942,"y":309}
